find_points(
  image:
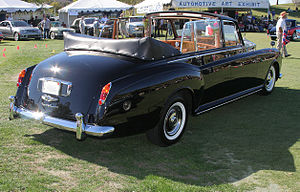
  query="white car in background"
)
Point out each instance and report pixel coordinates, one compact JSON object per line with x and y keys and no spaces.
{"x":135,"y":26}
{"x":57,"y":30}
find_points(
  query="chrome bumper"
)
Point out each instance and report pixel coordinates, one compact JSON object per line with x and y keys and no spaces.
{"x":76,"y":126}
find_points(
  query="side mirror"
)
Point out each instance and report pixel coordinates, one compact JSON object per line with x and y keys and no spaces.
{"x":272,"y":43}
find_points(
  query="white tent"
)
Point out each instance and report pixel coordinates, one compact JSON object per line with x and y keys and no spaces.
{"x":273,"y":2}
{"x":11,"y":6}
{"x":148,"y":6}
{"x":89,"y":6}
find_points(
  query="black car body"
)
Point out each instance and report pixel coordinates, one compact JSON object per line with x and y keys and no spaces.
{"x":292,"y":28}
{"x":99,"y":86}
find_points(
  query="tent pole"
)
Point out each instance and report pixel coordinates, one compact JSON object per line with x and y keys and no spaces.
{"x":68,"y":19}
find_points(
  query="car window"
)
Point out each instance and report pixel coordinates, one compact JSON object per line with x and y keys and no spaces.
{"x":19,"y":24}
{"x":136,"y":19}
{"x":200,"y":35}
{"x":231,"y":37}
{"x":56,"y":24}
{"x":89,"y":21}
{"x":3,"y":24}
{"x":77,"y":22}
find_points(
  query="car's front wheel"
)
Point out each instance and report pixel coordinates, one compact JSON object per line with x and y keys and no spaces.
{"x":270,"y":81}
{"x":16,"y":36}
{"x":172,"y":122}
{"x":52,"y":35}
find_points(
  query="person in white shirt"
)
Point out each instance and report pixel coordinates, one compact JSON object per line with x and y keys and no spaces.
{"x":45,"y":25}
{"x":280,"y":29}
{"x":96,"y":26}
{"x":82,"y":25}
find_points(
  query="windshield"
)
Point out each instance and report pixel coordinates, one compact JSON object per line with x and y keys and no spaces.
{"x":19,"y":24}
{"x":89,"y":21}
{"x":56,"y":24}
{"x":136,"y":19}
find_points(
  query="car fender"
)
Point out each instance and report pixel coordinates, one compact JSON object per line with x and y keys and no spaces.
{"x":147,"y":91}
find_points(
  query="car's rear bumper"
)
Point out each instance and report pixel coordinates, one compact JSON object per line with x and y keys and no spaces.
{"x":79,"y":127}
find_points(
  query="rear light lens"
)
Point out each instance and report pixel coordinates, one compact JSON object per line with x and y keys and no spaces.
{"x":104,"y":93}
{"x":21,"y":77}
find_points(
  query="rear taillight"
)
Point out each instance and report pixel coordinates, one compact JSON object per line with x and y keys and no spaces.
{"x":21,"y":77}
{"x":104,"y":93}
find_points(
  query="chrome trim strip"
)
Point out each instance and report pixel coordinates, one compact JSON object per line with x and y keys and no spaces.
{"x":205,"y":54}
{"x":79,"y":127}
{"x":229,"y":101}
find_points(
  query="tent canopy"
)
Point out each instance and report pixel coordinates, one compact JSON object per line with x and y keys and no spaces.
{"x":148,"y":6}
{"x":16,"y":5}
{"x":94,"y":5}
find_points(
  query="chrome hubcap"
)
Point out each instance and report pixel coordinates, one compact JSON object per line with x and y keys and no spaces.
{"x":174,"y":121}
{"x":270,"y":79}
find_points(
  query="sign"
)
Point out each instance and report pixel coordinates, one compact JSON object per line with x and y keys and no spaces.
{"x":251,"y":4}
{"x":73,"y":12}
{"x":150,"y":8}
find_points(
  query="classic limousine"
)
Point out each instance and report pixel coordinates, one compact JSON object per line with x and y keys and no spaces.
{"x":99,"y":86}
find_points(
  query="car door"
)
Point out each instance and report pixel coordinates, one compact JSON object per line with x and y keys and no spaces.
{"x":5,"y":29}
{"x":210,"y":57}
{"x":243,"y":65}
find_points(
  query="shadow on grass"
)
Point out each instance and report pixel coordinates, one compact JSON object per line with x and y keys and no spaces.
{"x":221,"y":146}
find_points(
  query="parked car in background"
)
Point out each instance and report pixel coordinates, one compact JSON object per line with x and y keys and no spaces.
{"x":106,"y":29}
{"x":292,"y":28}
{"x":19,"y":30}
{"x":88,"y":23}
{"x":100,"y":86}
{"x":57,"y":30}
{"x":134,"y":26}
{"x":1,"y":36}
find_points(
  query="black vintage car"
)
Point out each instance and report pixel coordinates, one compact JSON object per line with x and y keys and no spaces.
{"x":100,"y":86}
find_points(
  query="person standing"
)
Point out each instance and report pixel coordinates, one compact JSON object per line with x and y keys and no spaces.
{"x":45,"y":25}
{"x":104,"y":19}
{"x":280,"y":30}
{"x":96,"y":26}
{"x":82,"y":26}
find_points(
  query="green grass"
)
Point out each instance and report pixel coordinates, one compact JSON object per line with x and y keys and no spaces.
{"x":251,"y":144}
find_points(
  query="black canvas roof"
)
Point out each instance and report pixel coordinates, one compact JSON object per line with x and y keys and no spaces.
{"x":145,"y":48}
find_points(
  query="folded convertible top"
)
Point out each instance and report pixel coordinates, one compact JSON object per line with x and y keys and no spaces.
{"x":145,"y":48}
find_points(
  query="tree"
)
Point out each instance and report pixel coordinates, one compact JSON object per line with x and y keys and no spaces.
{"x":37,"y":1}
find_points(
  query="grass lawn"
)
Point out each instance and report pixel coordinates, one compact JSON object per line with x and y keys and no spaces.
{"x":251,"y":144}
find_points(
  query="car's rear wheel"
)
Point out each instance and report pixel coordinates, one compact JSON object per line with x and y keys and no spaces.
{"x":270,"y":81}
{"x":16,"y":36}
{"x":172,"y":122}
{"x":52,"y":35}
